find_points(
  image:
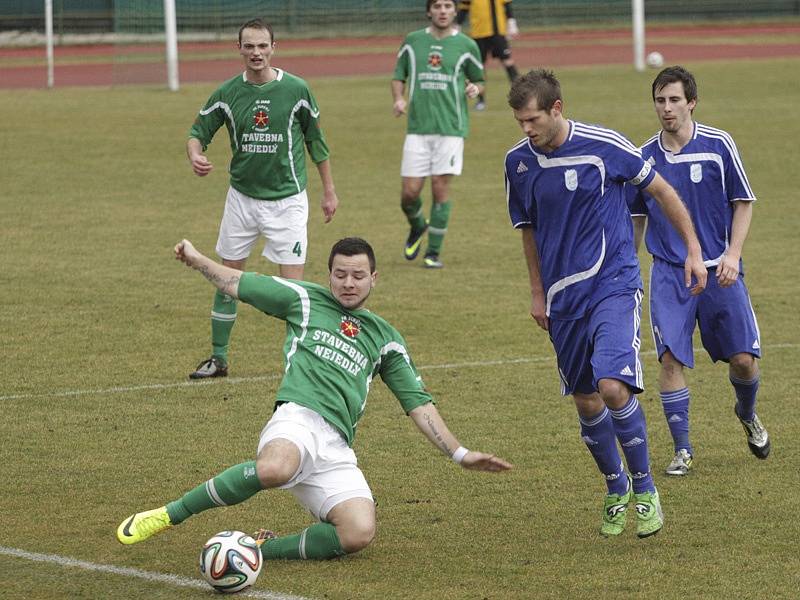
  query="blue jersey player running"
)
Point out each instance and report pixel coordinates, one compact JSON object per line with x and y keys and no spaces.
{"x":703,"y":165}
{"x":565,"y":190}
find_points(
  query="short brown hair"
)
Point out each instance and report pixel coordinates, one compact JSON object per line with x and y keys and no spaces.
{"x":429,"y":3}
{"x":257,"y":24}
{"x":538,"y":83}
{"x":352,"y":246}
{"x":673,"y":75}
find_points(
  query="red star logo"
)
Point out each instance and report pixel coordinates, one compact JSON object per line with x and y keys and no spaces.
{"x":261,"y":118}
{"x":349,"y":328}
{"x":435,"y":60}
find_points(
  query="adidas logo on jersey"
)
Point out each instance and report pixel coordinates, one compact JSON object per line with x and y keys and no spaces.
{"x":521,"y":168}
{"x":756,"y":345}
{"x":675,"y":419}
{"x":626,"y":371}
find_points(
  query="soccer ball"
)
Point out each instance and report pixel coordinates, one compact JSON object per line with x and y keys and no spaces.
{"x":230,"y":561}
{"x":655,"y":60}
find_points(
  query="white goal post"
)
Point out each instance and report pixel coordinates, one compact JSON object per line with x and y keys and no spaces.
{"x":170,"y":29}
{"x":637,"y":10}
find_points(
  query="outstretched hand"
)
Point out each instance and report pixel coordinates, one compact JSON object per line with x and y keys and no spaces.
{"x":478,"y":461}
{"x":186,"y":253}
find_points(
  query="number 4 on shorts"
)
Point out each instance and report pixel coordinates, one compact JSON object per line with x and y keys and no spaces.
{"x":298,"y":249}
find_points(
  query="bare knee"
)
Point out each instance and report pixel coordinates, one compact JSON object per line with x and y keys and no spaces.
{"x":277,"y":463}
{"x":411,"y":189}
{"x":440,"y":187}
{"x":354,"y":520}
{"x":614,"y":393}
{"x":743,"y":366}
{"x":356,"y":536}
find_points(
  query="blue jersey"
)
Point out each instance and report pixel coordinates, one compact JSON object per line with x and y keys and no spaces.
{"x":709,"y":177}
{"x":574,"y":199}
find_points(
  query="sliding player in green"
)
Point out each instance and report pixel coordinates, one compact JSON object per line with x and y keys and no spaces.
{"x":270,"y":115}
{"x":334,"y":348}
{"x":441,"y":68}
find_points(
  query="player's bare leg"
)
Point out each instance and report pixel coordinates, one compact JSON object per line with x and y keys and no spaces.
{"x":223,"y":317}
{"x":354,"y":520}
{"x":292,"y":271}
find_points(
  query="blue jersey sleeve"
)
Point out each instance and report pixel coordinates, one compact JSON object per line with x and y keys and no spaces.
{"x":521,"y":208}
{"x":634,"y":197}
{"x":736,"y":184}
{"x":625,"y":162}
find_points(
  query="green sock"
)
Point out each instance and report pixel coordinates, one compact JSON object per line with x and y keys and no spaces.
{"x":223,"y":316}
{"x":232,"y":486}
{"x":413,"y":213}
{"x":318,"y":542}
{"x":440,"y":215}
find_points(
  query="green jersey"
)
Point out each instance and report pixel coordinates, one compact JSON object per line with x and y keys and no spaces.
{"x":436,"y":72}
{"x":267,"y":125}
{"x":332,"y":354}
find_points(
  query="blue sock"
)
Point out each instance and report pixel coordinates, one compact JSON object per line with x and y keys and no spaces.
{"x":631,"y":431}
{"x":598,"y":435}
{"x":746,"y":391}
{"x":676,"y":410}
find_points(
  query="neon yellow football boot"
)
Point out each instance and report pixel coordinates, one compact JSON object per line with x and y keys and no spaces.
{"x":140,"y":526}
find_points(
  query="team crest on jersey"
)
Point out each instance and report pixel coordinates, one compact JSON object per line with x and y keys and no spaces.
{"x":350,"y":326}
{"x":435,"y":60}
{"x":571,"y":179}
{"x":261,"y":115}
{"x":696,"y":172}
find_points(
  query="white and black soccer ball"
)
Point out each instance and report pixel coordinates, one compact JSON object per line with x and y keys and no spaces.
{"x":655,"y":60}
{"x":230,"y":561}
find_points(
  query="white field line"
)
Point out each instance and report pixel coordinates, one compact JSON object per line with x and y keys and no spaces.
{"x":238,"y":380}
{"x":177,"y":580}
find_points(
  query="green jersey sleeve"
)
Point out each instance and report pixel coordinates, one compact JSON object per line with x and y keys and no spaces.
{"x":210,"y":118}
{"x":398,"y":372}
{"x":402,"y":66}
{"x":267,"y":295}
{"x":473,"y":69}
{"x":308,"y":116}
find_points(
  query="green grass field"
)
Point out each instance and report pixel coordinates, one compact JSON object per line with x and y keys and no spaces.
{"x":102,"y":326}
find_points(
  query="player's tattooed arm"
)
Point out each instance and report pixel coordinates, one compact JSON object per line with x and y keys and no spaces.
{"x":224,"y":278}
{"x":430,"y":423}
{"x":224,"y":282}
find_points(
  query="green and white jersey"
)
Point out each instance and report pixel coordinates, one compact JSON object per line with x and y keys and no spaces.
{"x":267,"y":125}
{"x":435,"y":72}
{"x":332,"y":354}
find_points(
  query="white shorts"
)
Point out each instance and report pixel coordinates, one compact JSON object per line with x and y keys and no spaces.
{"x":425,"y":155}
{"x":282,"y":222}
{"x":328,"y":473}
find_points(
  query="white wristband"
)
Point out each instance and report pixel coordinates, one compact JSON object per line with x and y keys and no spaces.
{"x":459,"y":454}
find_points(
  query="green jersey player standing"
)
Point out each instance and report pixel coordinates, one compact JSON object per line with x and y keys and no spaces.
{"x":441,"y":69}
{"x":270,"y":116}
{"x":334,"y":348}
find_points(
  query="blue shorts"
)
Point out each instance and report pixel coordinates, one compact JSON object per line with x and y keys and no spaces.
{"x":725,"y":316}
{"x":603,"y":344}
